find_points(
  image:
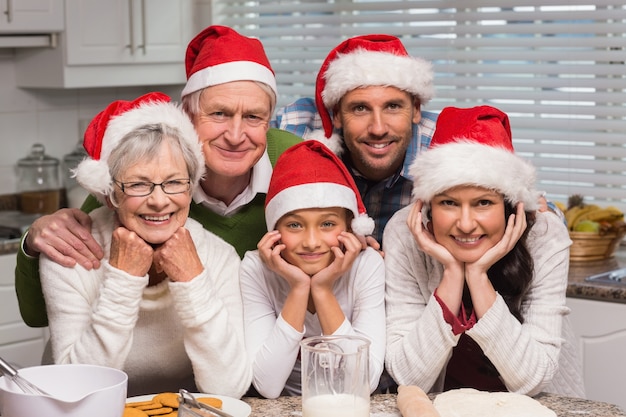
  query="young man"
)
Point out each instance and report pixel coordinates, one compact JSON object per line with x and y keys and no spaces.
{"x":230,"y":96}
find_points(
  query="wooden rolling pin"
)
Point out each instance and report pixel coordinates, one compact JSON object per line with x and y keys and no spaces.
{"x":413,"y":402}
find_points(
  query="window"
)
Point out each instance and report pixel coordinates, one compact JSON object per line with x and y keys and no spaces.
{"x":556,"y":67}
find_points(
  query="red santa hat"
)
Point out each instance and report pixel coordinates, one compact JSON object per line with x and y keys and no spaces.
{"x":119,"y":118}
{"x":219,"y":55}
{"x":473,"y":146}
{"x":362,"y":61}
{"x":309,"y":175}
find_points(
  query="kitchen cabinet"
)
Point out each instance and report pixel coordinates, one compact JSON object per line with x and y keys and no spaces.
{"x":600,"y":329}
{"x":31,"y":16}
{"x":19,"y":344}
{"x":113,"y":43}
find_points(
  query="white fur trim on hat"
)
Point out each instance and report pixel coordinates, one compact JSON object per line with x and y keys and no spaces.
{"x":315,"y":194}
{"x":94,"y":176}
{"x":470,"y":163}
{"x":362,"y":68}
{"x":334,"y":142}
{"x":229,"y":72}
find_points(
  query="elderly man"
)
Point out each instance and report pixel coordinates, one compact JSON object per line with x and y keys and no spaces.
{"x":230,"y":97}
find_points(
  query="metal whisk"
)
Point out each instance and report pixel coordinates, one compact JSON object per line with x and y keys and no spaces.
{"x":25,"y":385}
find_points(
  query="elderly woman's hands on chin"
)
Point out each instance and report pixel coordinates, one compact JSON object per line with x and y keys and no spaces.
{"x":130,"y":253}
{"x":178,"y":257}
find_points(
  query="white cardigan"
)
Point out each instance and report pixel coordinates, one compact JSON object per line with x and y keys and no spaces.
{"x":527,"y":356}
{"x":161,"y":336}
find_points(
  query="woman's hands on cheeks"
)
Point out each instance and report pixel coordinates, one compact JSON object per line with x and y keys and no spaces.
{"x":425,"y":239}
{"x":178,"y":257}
{"x":130,"y":253}
{"x":515,"y":227}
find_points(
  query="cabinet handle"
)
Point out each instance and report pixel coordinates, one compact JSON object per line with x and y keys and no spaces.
{"x":132,"y":45}
{"x":143,"y":27}
{"x":9,"y":11}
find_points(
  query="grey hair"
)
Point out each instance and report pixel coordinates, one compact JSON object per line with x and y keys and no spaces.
{"x":144,"y":144}
{"x":191,"y":101}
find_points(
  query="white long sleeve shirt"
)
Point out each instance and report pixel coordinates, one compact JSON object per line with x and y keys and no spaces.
{"x":273,"y":345}
{"x":161,"y":336}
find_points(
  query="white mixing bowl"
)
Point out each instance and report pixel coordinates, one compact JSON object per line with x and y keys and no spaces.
{"x":75,"y":391}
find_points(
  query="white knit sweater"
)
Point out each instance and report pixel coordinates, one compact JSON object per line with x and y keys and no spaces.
{"x":420,"y":341}
{"x":161,"y":336}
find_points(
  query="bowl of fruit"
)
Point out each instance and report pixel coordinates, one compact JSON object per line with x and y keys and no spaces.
{"x":595,"y":231}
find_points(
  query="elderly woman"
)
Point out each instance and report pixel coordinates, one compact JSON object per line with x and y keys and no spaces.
{"x":165,"y":304}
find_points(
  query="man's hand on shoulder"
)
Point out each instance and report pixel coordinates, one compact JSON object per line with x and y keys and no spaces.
{"x":65,"y":237}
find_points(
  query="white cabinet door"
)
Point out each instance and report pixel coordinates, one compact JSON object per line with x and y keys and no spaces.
{"x":19,"y":344}
{"x":112,"y":43}
{"x":127,"y":31}
{"x":31,"y":16}
{"x":600,"y":328}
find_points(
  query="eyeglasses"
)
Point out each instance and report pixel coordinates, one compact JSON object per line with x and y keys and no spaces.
{"x":144,"y":188}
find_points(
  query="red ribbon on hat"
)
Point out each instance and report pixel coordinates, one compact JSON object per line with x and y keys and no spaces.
{"x":94,"y":134}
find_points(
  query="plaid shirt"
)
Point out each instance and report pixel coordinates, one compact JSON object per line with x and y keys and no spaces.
{"x":383,"y":198}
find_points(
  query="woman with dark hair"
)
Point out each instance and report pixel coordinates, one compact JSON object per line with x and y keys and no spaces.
{"x":475,"y":276}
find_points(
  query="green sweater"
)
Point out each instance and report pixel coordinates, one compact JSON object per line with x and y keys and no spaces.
{"x":243,"y":230}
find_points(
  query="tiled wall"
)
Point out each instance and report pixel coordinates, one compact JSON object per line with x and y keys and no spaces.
{"x":53,"y":117}
{"x":50,"y":117}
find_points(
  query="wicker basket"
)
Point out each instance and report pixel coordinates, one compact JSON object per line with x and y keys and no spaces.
{"x":593,"y":246}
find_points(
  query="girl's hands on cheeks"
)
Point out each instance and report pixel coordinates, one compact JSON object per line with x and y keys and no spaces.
{"x":178,"y":257}
{"x":342,"y":263}
{"x":130,"y":253}
{"x":270,"y":249}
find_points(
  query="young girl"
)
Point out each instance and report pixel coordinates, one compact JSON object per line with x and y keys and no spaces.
{"x":476,"y":277}
{"x":310,"y":275}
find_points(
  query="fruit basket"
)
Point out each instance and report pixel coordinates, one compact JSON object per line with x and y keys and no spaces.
{"x":588,"y":246}
{"x":596,"y":232}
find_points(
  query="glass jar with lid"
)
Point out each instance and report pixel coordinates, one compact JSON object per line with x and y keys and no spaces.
{"x":38,"y":183}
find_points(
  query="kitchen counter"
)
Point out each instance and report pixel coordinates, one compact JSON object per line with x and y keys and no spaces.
{"x":384,"y":405}
{"x":579,"y":288}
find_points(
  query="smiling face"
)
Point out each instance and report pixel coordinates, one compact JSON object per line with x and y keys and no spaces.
{"x":468,"y":221}
{"x":377,"y":125}
{"x":157,"y":216}
{"x":309,"y":234}
{"x":232,"y":123}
